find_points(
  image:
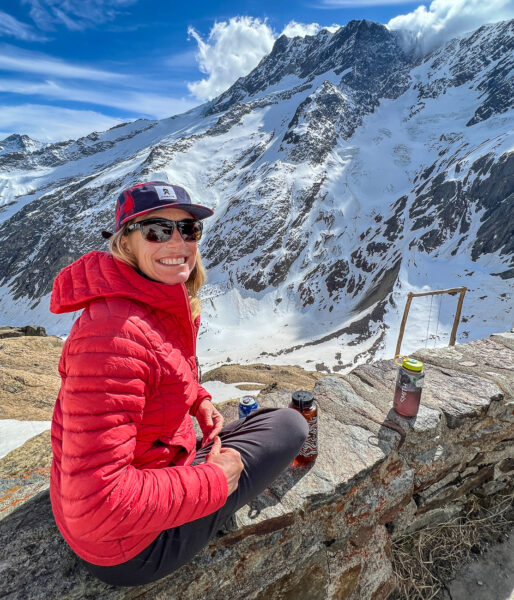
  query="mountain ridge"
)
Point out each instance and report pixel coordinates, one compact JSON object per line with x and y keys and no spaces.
{"x":335,"y":194}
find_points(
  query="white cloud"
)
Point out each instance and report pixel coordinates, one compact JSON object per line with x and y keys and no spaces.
{"x":14,"y":59}
{"x":332,"y":28}
{"x":335,"y":4}
{"x":10,"y":26}
{"x":448,"y":18}
{"x":157,"y":106}
{"x":294,"y":29}
{"x":47,"y":14}
{"x":232,"y":49}
{"x":51,"y":123}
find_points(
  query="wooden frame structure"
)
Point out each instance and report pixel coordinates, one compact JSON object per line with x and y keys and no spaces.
{"x":411,"y":295}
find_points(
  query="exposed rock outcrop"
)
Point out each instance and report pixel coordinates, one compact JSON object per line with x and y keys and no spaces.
{"x":317,"y":533}
{"x":6,"y":331}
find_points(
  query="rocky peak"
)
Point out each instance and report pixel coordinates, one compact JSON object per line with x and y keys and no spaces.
{"x":327,"y":108}
{"x":19,"y":143}
{"x":342,"y":176}
{"x":367,"y":48}
{"x":58,"y":153}
{"x":484,"y":60}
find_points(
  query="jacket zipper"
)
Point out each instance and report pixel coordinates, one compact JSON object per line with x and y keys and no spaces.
{"x":193,"y":334}
{"x":198,"y":371}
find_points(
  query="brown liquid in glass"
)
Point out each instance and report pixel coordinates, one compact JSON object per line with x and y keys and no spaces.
{"x":309,"y":451}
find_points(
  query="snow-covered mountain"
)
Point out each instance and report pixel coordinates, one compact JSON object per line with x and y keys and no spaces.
{"x":344,"y":171}
{"x":19,"y":143}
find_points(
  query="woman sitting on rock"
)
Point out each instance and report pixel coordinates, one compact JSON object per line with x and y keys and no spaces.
{"x":133,"y":492}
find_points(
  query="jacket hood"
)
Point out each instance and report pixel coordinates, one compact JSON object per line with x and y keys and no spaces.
{"x":99,"y":275}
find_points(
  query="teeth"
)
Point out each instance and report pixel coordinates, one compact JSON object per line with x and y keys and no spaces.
{"x":172,"y":261}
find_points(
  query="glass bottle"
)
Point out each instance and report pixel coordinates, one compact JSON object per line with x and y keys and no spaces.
{"x":303,"y":402}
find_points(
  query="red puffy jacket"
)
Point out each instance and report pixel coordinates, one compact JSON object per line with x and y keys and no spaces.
{"x":122,"y":435}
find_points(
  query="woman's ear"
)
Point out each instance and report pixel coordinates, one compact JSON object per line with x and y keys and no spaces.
{"x":125,"y":244}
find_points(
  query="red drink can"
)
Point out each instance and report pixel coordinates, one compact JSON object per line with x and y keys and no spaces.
{"x":409,"y":383}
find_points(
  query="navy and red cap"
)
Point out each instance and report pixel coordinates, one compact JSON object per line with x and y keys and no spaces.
{"x":146,"y":197}
{"x":152,"y":195}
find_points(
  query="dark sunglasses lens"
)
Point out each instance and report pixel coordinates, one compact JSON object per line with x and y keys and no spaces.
{"x":157,"y":232}
{"x":191,"y":231}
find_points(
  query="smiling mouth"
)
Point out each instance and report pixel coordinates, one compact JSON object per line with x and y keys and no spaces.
{"x":172,"y":261}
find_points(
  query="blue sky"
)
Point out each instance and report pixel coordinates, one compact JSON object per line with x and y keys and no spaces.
{"x":68,"y":67}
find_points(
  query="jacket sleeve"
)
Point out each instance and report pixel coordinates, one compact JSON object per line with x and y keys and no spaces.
{"x":202,"y":395}
{"x":108,"y":373}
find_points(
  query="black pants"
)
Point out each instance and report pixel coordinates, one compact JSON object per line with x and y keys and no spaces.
{"x":268,"y":440}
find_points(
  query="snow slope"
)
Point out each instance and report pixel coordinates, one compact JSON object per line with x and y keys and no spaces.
{"x":343,"y":172}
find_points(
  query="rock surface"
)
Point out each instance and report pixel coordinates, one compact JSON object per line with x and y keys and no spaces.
{"x":318,"y":532}
{"x":271,"y":377}
{"x":490,"y":577}
{"x":7,"y":331}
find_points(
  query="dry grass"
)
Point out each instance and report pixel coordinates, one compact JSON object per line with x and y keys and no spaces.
{"x":425,"y":561}
{"x":272,"y":376}
{"x":29,"y":380}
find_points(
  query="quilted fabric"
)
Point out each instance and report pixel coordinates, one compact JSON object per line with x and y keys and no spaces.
{"x":122,"y":435}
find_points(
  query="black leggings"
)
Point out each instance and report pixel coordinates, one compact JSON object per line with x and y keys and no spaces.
{"x":268,"y":440}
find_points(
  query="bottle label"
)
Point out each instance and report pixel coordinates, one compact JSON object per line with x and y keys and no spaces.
{"x":310,"y":446}
{"x":410,"y":382}
{"x":408,"y":392}
{"x":419,"y":381}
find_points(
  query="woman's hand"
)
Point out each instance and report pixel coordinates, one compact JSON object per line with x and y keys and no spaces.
{"x":210,"y":421}
{"x":229,"y":460}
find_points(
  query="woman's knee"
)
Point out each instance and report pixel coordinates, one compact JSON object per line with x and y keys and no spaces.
{"x":293,"y":425}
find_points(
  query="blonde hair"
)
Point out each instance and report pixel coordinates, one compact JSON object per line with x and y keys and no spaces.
{"x":196,"y":279}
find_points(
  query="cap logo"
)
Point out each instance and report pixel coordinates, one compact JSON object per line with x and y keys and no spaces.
{"x":165,"y":192}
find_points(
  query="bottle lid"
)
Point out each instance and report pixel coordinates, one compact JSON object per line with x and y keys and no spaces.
{"x":411,"y":364}
{"x":302,"y":399}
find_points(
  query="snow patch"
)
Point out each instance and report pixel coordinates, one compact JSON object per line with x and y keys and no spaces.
{"x":14,"y":433}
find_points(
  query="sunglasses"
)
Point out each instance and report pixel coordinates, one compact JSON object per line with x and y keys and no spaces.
{"x":161,"y":230}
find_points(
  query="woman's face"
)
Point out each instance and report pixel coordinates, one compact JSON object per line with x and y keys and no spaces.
{"x":155,"y":259}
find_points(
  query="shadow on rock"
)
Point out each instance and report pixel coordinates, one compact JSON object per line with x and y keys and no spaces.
{"x":392,"y":432}
{"x":36,"y":561}
{"x":273,"y":495}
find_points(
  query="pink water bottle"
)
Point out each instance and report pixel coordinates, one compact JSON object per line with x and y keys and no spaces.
{"x":409,"y":383}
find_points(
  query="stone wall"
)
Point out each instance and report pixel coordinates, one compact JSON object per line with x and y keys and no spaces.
{"x":317,"y":533}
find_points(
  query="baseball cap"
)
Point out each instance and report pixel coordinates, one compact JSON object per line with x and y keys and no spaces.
{"x":152,"y":195}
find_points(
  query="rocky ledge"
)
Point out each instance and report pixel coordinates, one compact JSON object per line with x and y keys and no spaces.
{"x":6,"y":331}
{"x":319,"y":532}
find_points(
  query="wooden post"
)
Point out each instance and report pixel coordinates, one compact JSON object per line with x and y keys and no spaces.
{"x":462,"y":291}
{"x":436,"y":292}
{"x":456,"y":321}
{"x":404,"y":321}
